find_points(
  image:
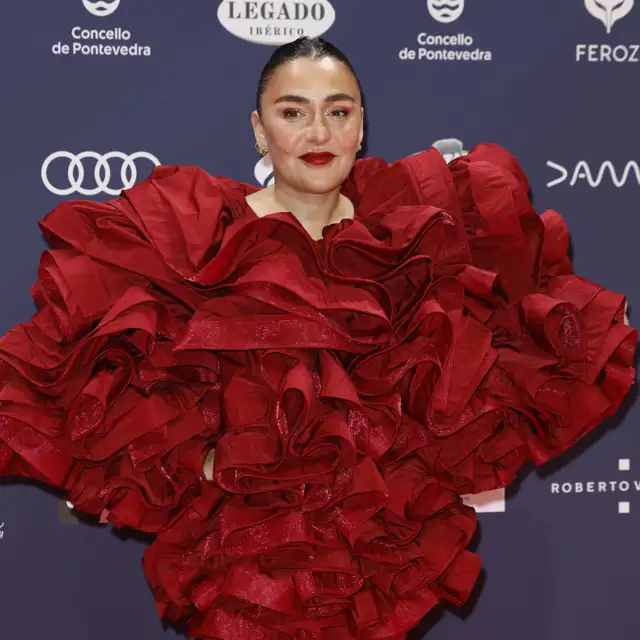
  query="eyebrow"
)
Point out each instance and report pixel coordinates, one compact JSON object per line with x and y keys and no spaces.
{"x":334,"y":97}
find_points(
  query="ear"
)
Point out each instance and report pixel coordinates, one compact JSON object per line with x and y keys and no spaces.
{"x":258,"y":129}
{"x":361,"y":125}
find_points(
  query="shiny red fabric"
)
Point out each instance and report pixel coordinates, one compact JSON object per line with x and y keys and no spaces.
{"x":353,"y":387}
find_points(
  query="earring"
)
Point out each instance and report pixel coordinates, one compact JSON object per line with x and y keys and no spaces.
{"x":260,"y":149}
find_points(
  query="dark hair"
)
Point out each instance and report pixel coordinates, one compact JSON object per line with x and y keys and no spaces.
{"x":304,"y":47}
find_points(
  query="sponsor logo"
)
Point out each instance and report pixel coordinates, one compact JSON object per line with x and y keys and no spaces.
{"x":607,"y":53}
{"x":450,"y":148}
{"x":586,"y":487}
{"x":608,"y":11}
{"x":101,"y":8}
{"x":273,"y":22}
{"x":67,"y":514}
{"x":113,"y":42}
{"x":441,"y":46}
{"x":445,"y":10}
{"x":487,"y":502}
{"x":101,"y":172}
{"x":1,"y":531}
{"x":263,"y":171}
{"x":594,"y":176}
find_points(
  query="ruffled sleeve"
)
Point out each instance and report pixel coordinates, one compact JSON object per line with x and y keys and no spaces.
{"x":94,"y":398}
{"x":541,"y":355}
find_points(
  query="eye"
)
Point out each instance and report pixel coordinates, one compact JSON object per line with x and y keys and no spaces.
{"x":290,"y":112}
{"x":340,"y":112}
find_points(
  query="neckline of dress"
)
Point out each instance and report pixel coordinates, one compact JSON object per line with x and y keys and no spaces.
{"x":248,"y":209}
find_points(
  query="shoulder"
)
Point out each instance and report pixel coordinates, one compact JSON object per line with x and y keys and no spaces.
{"x":427,"y":178}
{"x":182,"y":176}
{"x":186,"y":188}
{"x":499,"y":159}
{"x":168,"y":184}
{"x":416,"y":179}
{"x":175,"y":201}
{"x":484,"y":159}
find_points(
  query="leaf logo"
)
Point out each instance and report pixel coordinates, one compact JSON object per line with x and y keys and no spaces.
{"x":608,"y":11}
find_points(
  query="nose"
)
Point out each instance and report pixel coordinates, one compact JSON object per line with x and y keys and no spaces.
{"x":318,"y":133}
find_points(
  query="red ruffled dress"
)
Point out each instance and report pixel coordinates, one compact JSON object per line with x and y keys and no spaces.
{"x":353,"y":387}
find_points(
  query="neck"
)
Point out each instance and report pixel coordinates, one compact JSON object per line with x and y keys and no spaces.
{"x":313,"y":211}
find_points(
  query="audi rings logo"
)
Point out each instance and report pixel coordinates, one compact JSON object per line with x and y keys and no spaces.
{"x":102,"y":171}
{"x":101,"y":8}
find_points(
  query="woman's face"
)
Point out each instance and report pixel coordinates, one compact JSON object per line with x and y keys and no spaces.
{"x":311,"y":106}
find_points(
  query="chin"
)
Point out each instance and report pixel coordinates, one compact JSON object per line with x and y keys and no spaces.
{"x":323,"y":182}
{"x":314,"y":180}
{"x":321,"y":186}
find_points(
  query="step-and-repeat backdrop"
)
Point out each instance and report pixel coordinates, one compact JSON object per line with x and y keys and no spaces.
{"x":94,"y":94}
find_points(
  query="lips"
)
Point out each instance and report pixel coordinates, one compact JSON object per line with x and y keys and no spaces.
{"x":317,"y":159}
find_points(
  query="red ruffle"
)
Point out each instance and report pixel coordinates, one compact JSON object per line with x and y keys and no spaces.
{"x":353,"y":387}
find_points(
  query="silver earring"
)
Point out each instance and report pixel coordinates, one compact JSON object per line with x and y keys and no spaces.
{"x":261,"y":149}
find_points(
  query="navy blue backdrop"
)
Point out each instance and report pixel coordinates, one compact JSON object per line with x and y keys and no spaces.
{"x":95,"y":93}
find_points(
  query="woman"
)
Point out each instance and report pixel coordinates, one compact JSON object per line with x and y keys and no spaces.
{"x":294,"y":385}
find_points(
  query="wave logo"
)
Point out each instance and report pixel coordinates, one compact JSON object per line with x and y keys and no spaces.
{"x":263,"y":171}
{"x":1,"y":531}
{"x":445,"y":10}
{"x":608,"y":11}
{"x":101,"y":8}
{"x":583,"y":172}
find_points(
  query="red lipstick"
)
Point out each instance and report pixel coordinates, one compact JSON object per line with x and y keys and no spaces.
{"x":318,"y":159}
